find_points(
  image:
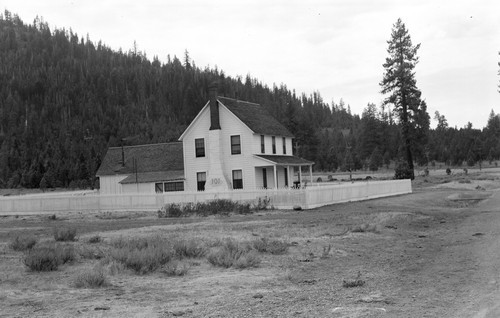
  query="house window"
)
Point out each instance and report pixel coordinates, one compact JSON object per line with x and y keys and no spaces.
{"x":174,"y":186}
{"x":237,"y":179}
{"x":201,"y":178}
{"x":199,"y":145}
{"x":274,"y":145}
{"x":235,"y":145}
{"x":284,"y":145}
{"x":159,"y":187}
{"x":262,"y":144}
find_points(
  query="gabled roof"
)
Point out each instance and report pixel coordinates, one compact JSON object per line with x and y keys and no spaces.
{"x":284,"y":160}
{"x":152,"y":158}
{"x":256,"y":117}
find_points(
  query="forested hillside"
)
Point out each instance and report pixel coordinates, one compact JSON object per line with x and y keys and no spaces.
{"x":65,"y":99}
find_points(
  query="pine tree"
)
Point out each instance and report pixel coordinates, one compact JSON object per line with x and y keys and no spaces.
{"x":399,"y":82}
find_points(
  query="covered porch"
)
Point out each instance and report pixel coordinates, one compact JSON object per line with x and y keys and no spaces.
{"x":277,"y":171}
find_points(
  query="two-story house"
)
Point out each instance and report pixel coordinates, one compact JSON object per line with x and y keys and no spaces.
{"x":230,"y":144}
{"x":233,"y":144}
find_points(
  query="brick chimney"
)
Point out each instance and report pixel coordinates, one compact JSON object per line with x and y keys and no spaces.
{"x":214,"y":107}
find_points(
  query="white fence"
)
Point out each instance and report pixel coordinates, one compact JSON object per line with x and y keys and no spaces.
{"x":306,"y":198}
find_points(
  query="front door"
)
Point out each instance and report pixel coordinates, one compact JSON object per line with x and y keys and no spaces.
{"x":264,"y":178}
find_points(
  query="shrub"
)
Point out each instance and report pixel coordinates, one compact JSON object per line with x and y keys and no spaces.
{"x":358,"y":282}
{"x":247,"y":260}
{"x":364,"y":228}
{"x":48,"y":258}
{"x":403,"y":171}
{"x":232,"y":253}
{"x":275,"y":247}
{"x":23,"y":243}
{"x":92,"y":278}
{"x":353,"y":283}
{"x":42,"y":260}
{"x":175,"y":268}
{"x":244,"y":208}
{"x":214,"y":207}
{"x":91,"y":252}
{"x":65,"y":234}
{"x":143,"y":255}
{"x":95,"y":239}
{"x":142,"y":261}
{"x":188,"y":249}
{"x":262,"y":203}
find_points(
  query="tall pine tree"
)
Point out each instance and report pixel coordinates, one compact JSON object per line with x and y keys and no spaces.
{"x":400,"y":85}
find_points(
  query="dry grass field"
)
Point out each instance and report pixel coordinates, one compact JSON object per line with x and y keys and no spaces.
{"x":433,"y":253}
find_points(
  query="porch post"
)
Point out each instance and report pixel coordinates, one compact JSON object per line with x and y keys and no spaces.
{"x":311,"y":174}
{"x":275,"y":177}
{"x":288,"y":177}
{"x":300,"y":176}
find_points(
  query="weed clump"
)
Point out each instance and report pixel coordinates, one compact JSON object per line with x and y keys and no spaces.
{"x":93,"y":278}
{"x":233,"y":254}
{"x":189,"y":249}
{"x":364,"y":228}
{"x":95,"y":239}
{"x":175,"y":268}
{"x":48,"y":258}
{"x":275,"y":247}
{"x":23,"y":243}
{"x":65,"y":234}
{"x":350,"y":283}
{"x":142,"y":255}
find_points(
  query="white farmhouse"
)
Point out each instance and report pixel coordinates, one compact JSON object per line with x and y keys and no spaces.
{"x":231,"y":144}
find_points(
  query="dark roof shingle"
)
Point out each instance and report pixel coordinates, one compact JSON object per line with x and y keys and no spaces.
{"x":256,"y":117}
{"x":149,"y":158}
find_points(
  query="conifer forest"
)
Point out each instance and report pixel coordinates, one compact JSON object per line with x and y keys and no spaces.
{"x":65,"y":99}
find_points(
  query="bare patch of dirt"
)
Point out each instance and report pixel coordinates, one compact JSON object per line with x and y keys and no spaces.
{"x":418,"y":255}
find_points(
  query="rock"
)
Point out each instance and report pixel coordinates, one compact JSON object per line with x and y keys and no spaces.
{"x":297,"y":208}
{"x":258,"y":295}
{"x":102,"y":308}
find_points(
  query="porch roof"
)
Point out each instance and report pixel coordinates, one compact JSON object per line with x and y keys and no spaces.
{"x":286,"y":160}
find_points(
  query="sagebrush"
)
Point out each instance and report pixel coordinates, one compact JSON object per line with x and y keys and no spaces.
{"x":23,"y":243}
{"x":233,"y":254}
{"x":65,"y":234}
{"x":91,"y":278}
{"x":48,"y":257}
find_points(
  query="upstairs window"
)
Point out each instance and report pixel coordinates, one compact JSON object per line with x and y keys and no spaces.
{"x":262,"y":144}
{"x":235,"y":145}
{"x":274,"y":145}
{"x":237,"y":179}
{"x":201,"y":178}
{"x":284,"y":145}
{"x":199,"y":145}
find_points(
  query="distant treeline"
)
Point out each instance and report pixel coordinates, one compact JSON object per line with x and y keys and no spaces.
{"x":64,"y":100}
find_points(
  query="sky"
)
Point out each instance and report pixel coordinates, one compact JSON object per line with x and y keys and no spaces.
{"x":334,"y":47}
